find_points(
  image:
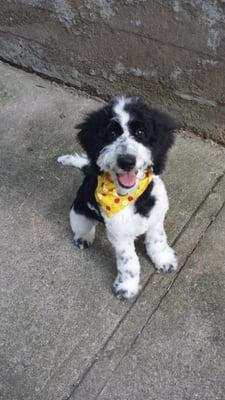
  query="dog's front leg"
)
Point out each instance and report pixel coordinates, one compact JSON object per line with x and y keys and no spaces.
{"x":127,"y":281}
{"x":161,"y":254}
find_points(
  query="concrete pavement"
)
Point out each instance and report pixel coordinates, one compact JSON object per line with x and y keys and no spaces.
{"x":62,"y":333}
{"x":181,"y":351}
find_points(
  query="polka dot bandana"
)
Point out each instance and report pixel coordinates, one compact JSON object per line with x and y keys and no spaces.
{"x":108,"y":198}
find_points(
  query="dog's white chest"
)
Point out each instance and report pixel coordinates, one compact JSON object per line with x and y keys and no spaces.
{"x":127,"y":223}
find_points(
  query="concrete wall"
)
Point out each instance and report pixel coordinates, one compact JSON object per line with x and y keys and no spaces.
{"x":170,"y":52}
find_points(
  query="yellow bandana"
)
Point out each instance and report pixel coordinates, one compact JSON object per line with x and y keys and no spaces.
{"x":108,"y":198}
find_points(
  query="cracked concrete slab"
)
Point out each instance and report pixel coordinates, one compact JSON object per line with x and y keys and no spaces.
{"x":181,"y":352}
{"x":150,"y":299}
{"x":58,"y":313}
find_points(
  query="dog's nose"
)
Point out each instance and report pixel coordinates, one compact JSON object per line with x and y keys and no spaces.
{"x":126,"y":162}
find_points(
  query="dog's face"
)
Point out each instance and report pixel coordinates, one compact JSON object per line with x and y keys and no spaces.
{"x":125,"y":139}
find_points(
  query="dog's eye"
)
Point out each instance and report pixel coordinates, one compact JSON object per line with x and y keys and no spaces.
{"x":114,"y":130}
{"x":140,"y":132}
{"x":137,"y":128}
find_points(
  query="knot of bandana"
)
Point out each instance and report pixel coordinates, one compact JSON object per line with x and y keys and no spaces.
{"x":108,"y":198}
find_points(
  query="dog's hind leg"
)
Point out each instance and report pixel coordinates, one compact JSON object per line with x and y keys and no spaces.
{"x":83,"y":229}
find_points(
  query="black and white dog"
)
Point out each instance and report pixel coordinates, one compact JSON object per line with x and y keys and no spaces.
{"x":124,"y":140}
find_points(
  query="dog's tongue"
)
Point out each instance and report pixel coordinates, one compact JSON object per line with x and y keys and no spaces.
{"x":127,"y":178}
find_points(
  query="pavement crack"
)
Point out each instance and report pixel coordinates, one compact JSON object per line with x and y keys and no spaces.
{"x":163,"y":297}
{"x":217,"y":181}
{"x":101,"y":350}
{"x":23,"y":38}
{"x":215,"y":184}
{"x":99,"y":353}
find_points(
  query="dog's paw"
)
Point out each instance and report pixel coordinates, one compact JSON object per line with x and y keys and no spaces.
{"x":125,"y":289}
{"x":82,"y":243}
{"x":166,"y":261}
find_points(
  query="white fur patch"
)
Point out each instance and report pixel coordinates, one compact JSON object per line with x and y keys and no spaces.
{"x":92,"y":208}
{"x":82,"y":227}
{"x":123,"y":116}
{"x":74,"y":160}
{"x":107,"y":160}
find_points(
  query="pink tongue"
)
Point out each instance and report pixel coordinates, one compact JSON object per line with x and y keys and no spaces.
{"x":127,"y":179}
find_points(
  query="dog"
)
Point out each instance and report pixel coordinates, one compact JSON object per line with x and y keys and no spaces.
{"x":126,"y":144}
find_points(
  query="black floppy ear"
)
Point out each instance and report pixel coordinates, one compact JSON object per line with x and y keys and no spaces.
{"x":85,"y":134}
{"x":162,"y":138}
{"x":90,"y":133}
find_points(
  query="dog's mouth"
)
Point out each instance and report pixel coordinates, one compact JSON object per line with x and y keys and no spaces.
{"x":127,"y":179}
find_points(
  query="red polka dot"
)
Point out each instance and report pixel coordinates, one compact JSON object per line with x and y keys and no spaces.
{"x":108,"y":208}
{"x":117,"y":200}
{"x":130,"y":198}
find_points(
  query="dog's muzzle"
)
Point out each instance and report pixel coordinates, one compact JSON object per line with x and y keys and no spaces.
{"x":126,"y":162}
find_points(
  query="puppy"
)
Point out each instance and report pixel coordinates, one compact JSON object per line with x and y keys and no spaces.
{"x":126,"y":144}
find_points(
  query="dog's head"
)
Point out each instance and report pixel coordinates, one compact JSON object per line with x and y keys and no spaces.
{"x":126,"y":138}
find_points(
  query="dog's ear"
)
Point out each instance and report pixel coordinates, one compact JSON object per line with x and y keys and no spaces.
{"x":85,"y":134}
{"x":161,"y":138}
{"x":91,"y":131}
